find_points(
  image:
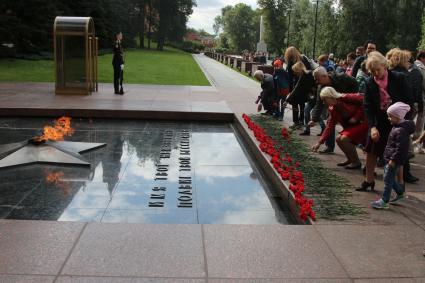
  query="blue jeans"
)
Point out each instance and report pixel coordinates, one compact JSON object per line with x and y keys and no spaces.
{"x":330,"y":142}
{"x":390,"y":182}
{"x":308,"y":107}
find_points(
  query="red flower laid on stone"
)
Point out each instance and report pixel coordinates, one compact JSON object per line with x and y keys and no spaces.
{"x":289,"y":159}
{"x":275,"y":158}
{"x":285,"y":176}
{"x":285,"y":134}
{"x":286,"y":171}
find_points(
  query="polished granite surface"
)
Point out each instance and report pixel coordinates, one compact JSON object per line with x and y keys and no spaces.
{"x":218,"y":181}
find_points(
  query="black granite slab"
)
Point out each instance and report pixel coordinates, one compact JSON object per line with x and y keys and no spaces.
{"x":207,"y":176}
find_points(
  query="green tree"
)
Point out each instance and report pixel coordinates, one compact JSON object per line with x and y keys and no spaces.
{"x":390,"y":23}
{"x":327,"y":29}
{"x":173,"y":16}
{"x":422,"y":42}
{"x":408,"y":28}
{"x":27,"y":24}
{"x":141,"y":8}
{"x":302,"y":26}
{"x":240,"y":27}
{"x":218,"y":24}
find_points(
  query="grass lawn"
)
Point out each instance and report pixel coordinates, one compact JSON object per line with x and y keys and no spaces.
{"x":169,"y":67}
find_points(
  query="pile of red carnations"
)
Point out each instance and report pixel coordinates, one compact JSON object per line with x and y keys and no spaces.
{"x":285,"y":166}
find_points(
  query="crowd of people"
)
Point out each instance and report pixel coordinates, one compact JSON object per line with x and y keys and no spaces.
{"x":377,"y":100}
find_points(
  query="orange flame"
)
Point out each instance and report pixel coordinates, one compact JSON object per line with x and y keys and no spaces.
{"x":55,"y":178}
{"x":61,"y":129}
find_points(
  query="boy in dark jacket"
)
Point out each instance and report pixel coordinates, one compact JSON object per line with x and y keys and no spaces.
{"x":395,"y":153}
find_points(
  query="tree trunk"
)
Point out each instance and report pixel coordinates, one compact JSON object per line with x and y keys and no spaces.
{"x":141,"y":20}
{"x":161,"y":35}
{"x":149,"y":23}
{"x":163,"y":23}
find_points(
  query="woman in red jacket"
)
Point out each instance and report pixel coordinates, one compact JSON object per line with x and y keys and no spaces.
{"x":347,"y":110}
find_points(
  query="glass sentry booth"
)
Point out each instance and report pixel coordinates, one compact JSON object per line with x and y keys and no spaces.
{"x":76,"y":53}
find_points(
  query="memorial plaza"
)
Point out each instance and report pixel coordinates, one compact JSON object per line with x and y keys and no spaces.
{"x":178,"y":191}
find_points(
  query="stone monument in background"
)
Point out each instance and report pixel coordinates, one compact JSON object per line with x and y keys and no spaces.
{"x":261,"y":45}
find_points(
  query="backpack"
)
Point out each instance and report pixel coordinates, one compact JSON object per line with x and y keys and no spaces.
{"x":281,"y":79}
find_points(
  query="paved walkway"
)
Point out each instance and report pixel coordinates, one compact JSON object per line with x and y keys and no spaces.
{"x":351,"y":251}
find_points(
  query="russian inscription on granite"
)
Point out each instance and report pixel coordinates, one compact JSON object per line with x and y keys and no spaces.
{"x":162,"y":168}
{"x":157,"y":196}
{"x":185,"y":192}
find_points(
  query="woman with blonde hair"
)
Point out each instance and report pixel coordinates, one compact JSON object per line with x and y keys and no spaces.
{"x":304,"y":91}
{"x":402,"y":61}
{"x":347,"y":110}
{"x":293,"y":56}
{"x":398,"y":59}
{"x":384,"y":88}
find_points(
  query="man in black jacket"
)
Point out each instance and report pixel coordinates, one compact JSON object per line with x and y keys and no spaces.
{"x":268,"y":95}
{"x":341,"y":83}
{"x":118,"y":64}
{"x":370,"y":47}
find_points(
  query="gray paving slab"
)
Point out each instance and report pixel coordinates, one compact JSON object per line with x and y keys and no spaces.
{"x":371,"y":216}
{"x":26,"y":278}
{"x":138,"y":250}
{"x":262,"y":280}
{"x":36,"y":99}
{"x":36,"y":247}
{"x":391,"y":280}
{"x":82,"y":279}
{"x":223,"y":77}
{"x":377,"y":251}
{"x":245,"y":251}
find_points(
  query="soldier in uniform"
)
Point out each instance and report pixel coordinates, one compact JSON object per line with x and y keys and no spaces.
{"x":118,"y":64}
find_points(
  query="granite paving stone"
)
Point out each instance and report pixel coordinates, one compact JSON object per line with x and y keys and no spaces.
{"x":82,"y":215}
{"x":372,"y":216}
{"x":80,"y":279}
{"x":138,"y":250}
{"x":377,"y":251}
{"x":26,"y":278}
{"x":36,"y":247}
{"x":412,"y":208}
{"x":245,"y":251}
{"x":262,"y":280}
{"x":5,"y":210}
{"x":151,"y":216}
{"x":391,"y":280}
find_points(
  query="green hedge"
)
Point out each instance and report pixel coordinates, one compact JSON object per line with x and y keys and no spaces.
{"x":188,"y":46}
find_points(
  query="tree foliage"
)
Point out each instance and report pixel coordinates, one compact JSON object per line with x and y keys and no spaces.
{"x":28,"y":24}
{"x":422,"y":42}
{"x":173,"y":16}
{"x":342,"y":25}
{"x":240,"y":27}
